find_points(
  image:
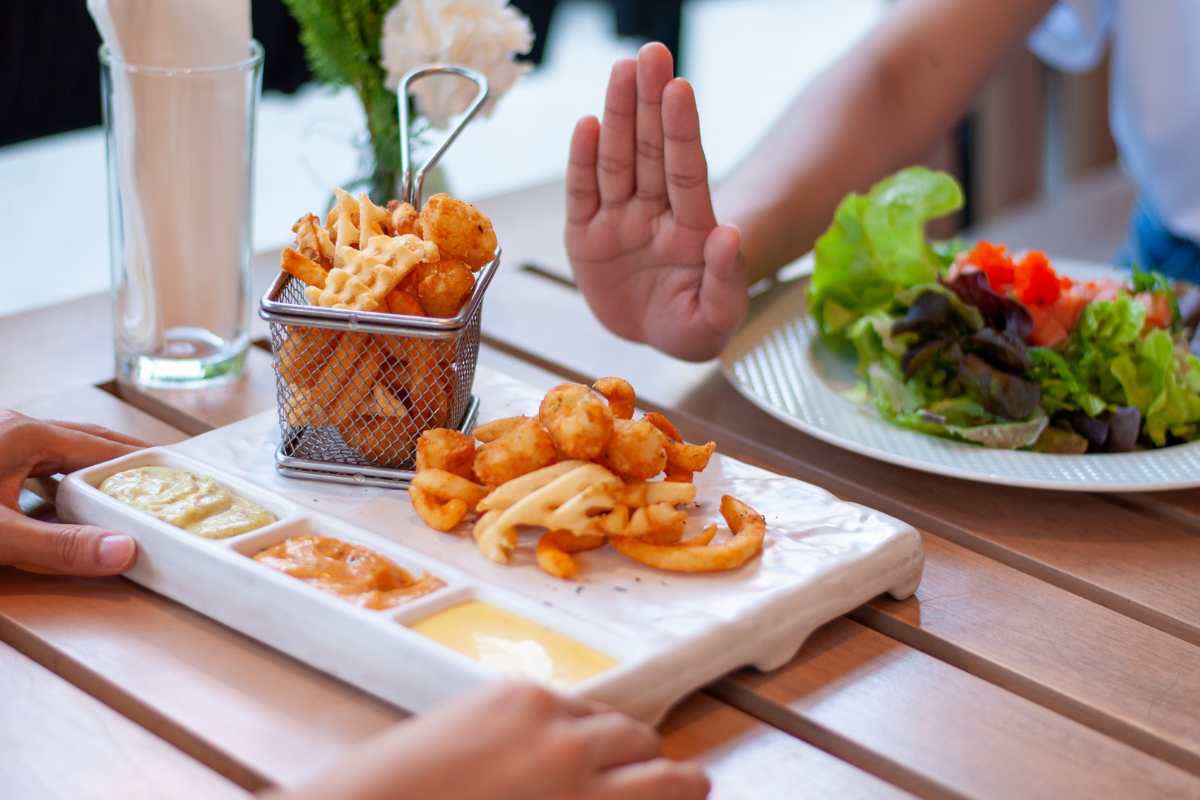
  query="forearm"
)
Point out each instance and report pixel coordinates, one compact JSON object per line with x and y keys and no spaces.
{"x":881,"y":106}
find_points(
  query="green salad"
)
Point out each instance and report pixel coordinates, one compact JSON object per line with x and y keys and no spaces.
{"x":977,"y":344}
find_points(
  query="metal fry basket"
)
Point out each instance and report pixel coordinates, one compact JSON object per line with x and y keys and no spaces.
{"x":355,"y":389}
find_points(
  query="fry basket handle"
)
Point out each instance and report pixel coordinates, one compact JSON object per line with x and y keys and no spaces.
{"x":414,"y":184}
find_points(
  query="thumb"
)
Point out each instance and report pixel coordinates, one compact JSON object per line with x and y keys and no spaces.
{"x":64,"y":549}
{"x":723,"y":299}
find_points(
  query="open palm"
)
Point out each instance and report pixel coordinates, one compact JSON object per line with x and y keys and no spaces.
{"x":641,"y":233}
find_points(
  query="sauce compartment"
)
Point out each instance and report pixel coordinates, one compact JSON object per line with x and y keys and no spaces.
{"x":92,"y":478}
{"x":328,"y":553}
{"x":508,"y":636}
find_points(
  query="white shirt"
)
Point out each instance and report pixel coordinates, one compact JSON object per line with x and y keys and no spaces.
{"x":1154,"y":105}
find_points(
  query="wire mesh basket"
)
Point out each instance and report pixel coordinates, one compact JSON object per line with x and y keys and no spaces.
{"x":356,"y":389}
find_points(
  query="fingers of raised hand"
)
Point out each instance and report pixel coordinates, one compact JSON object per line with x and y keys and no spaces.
{"x":683,"y":157}
{"x":615,"y":159}
{"x":655,"y":68}
{"x":723,"y":299}
{"x":583,"y":191}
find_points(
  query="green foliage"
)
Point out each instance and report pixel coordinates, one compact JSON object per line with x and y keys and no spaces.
{"x":342,"y":40}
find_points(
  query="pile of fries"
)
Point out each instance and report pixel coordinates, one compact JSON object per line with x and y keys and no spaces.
{"x":379,"y":391}
{"x":583,"y":470}
{"x":396,"y":260}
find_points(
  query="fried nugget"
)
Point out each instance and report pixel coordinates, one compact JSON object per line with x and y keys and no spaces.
{"x":637,"y":450}
{"x":444,"y":286}
{"x":402,"y":219}
{"x":578,"y":419}
{"x":459,"y":229}
{"x":399,"y":301}
{"x":447,"y":450}
{"x":522,"y":450}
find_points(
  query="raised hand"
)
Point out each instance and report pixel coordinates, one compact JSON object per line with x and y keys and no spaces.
{"x":641,"y":234}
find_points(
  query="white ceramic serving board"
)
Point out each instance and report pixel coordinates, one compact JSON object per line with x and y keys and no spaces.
{"x":670,"y":633}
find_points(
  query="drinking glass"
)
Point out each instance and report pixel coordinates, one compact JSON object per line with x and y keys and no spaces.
{"x":180,"y":146}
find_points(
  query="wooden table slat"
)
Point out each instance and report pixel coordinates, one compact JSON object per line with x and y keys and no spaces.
{"x":56,"y":742}
{"x":853,"y":690}
{"x":747,"y":759}
{"x":1112,"y":673}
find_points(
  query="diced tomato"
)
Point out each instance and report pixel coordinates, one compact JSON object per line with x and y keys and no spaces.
{"x":995,"y":263}
{"x":1069,"y":306}
{"x":1036,"y":281}
{"x":1158,"y":309}
{"x":1048,"y":331}
{"x":1104,"y":289}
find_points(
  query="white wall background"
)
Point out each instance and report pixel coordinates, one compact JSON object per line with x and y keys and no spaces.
{"x":745,"y":57}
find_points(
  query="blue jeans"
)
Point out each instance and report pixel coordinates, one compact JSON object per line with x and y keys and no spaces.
{"x":1152,"y":247}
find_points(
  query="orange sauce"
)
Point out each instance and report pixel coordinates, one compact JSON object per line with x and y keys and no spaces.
{"x":353,"y":572}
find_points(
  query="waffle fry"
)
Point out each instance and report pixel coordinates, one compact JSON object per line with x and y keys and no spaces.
{"x":372,"y":221}
{"x":425,"y":377}
{"x":358,"y":384}
{"x":301,"y":351}
{"x":342,"y":220}
{"x":505,"y":495}
{"x":301,"y":266}
{"x":313,"y":241}
{"x":340,"y":366}
{"x":303,"y":410}
{"x":533,"y":509}
{"x":362,"y":279}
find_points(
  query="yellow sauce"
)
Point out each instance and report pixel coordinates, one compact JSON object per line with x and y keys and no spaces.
{"x":193,"y":502}
{"x":351,"y":571}
{"x":513,"y":645}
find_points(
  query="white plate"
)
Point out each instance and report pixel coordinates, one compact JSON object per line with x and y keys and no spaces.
{"x":779,"y":363}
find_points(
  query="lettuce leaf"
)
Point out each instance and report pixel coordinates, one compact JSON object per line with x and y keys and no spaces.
{"x":1156,"y":382}
{"x":1109,"y":363}
{"x":876,"y":245}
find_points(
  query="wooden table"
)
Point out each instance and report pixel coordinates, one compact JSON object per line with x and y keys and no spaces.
{"x":1053,"y":649}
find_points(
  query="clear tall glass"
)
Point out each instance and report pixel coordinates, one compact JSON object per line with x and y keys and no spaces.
{"x":180,"y":146}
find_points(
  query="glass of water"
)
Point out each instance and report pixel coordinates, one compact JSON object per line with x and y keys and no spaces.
{"x":180,"y":146}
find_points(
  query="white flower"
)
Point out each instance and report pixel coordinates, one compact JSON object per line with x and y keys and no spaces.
{"x":485,"y":35}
